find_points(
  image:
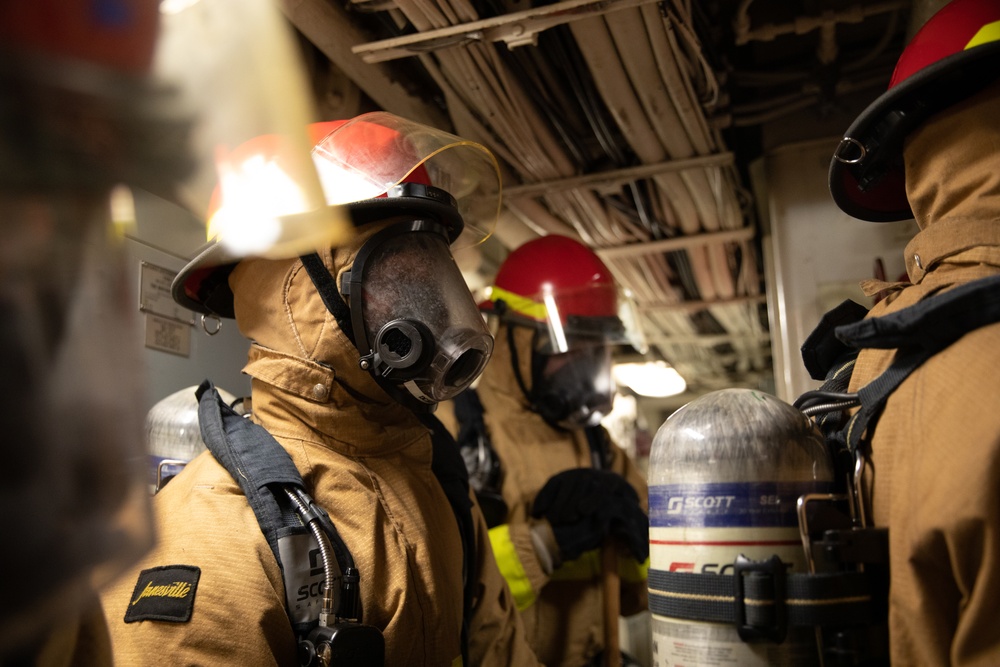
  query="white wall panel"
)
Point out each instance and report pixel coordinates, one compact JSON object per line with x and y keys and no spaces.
{"x":814,"y":254}
{"x":167,"y":235}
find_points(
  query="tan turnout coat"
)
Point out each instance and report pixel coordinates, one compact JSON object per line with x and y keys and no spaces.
{"x":366,"y":460}
{"x":936,"y":448}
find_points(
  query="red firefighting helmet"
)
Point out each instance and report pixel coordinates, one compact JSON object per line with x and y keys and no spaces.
{"x":954,"y":55}
{"x":377,"y":166}
{"x":117,"y":35}
{"x":557,"y":284}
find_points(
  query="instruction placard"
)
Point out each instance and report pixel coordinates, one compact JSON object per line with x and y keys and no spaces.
{"x":168,"y":335}
{"x":154,"y":294}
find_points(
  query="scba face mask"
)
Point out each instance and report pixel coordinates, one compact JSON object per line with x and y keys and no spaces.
{"x":573,"y":389}
{"x":414,"y":320}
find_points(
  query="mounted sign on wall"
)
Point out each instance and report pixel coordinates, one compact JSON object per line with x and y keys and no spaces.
{"x":168,"y":325}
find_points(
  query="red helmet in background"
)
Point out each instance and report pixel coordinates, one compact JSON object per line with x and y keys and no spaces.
{"x":953,"y":56}
{"x":77,"y":105}
{"x":562,"y":290}
{"x":119,"y":35}
{"x":561,"y":287}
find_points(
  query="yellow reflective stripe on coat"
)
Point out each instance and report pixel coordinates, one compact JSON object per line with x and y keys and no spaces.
{"x":511,"y":567}
{"x":588,"y":566}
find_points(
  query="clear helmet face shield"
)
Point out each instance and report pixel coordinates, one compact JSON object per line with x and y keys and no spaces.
{"x":415,"y":321}
{"x":565,"y":317}
{"x":367,"y":156}
{"x":576,"y":328}
{"x":371,"y":168}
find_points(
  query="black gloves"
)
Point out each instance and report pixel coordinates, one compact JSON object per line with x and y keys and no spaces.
{"x":584,"y":506}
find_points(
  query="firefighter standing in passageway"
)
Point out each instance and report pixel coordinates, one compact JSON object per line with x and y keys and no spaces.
{"x":552,"y":484}
{"x":929,"y":148}
{"x":349,"y":346}
{"x":78,"y":115}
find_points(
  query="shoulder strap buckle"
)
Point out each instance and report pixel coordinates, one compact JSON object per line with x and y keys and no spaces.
{"x":773,"y":569}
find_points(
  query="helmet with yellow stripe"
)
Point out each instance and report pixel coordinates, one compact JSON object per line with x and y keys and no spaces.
{"x":953,"y":56}
{"x":560,"y":287}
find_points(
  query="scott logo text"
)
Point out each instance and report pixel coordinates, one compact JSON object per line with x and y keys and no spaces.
{"x":678,"y":504}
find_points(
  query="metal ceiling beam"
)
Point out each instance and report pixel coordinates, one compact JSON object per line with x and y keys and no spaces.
{"x":708,"y":339}
{"x":516,"y":29}
{"x":689,"y":306}
{"x":616,"y":177}
{"x":329,"y":27}
{"x":679,"y":243}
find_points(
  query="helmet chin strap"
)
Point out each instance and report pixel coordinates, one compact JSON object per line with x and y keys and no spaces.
{"x":549,"y":407}
{"x":327,"y":288}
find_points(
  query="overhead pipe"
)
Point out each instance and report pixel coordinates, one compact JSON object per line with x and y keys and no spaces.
{"x":709,"y":266}
{"x":744,"y":34}
{"x":487,"y":97}
{"x":631,"y":41}
{"x":678,"y":243}
{"x":515,"y":29}
{"x":616,"y":89}
{"x":614,"y":177}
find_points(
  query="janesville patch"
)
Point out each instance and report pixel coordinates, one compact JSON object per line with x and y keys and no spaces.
{"x":164,"y":593}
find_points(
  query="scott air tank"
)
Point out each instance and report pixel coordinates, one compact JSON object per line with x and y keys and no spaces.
{"x":173,"y":435}
{"x":725,"y":474}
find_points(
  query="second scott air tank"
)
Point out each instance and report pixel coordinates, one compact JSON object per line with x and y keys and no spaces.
{"x":725,"y":474}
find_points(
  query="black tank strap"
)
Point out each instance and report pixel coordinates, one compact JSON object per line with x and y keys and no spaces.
{"x":255,"y":460}
{"x":822,"y":350}
{"x":932,"y":324}
{"x":469,"y":415}
{"x":599,"y":443}
{"x":327,"y":288}
{"x":762,"y":597}
{"x":482,"y":465}
{"x":918,"y":333}
{"x":264,"y":470}
{"x":449,"y":468}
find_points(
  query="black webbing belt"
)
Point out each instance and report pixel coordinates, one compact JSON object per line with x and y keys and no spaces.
{"x":263,"y":470}
{"x":918,"y":332}
{"x":762,"y":598}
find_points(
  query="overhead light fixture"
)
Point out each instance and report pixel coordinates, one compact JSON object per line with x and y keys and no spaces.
{"x":654,"y":379}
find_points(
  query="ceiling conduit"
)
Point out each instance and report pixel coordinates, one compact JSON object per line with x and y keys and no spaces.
{"x":636,"y":75}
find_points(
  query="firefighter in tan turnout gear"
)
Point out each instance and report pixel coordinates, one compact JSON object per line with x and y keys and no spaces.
{"x":350,"y":349}
{"x":929,"y":148}
{"x":78,"y":115}
{"x":552,"y":484}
